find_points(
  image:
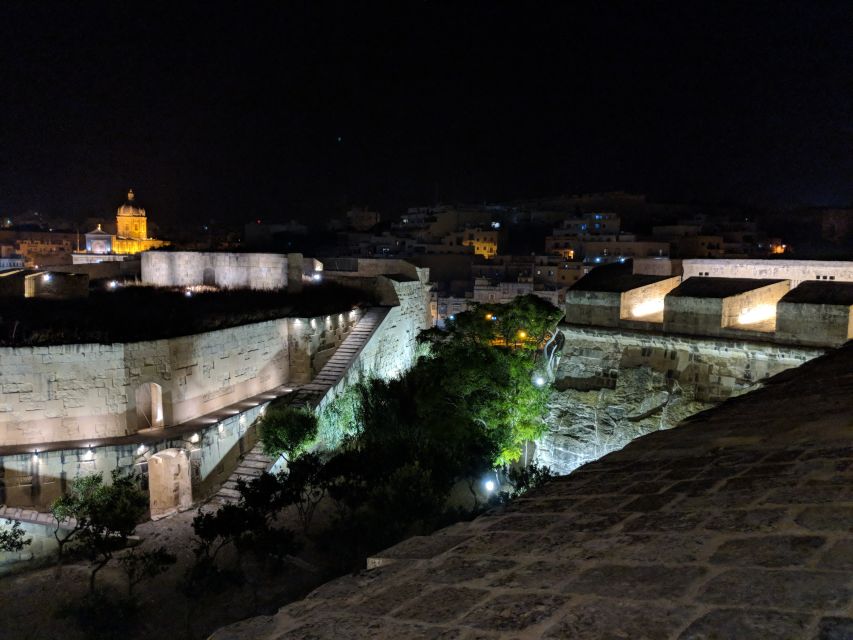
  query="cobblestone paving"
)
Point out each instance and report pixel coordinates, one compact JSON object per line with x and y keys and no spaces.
{"x":736,"y":524}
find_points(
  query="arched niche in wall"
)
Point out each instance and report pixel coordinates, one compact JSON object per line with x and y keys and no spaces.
{"x":169,"y":485}
{"x":149,"y":406}
{"x":208,"y":277}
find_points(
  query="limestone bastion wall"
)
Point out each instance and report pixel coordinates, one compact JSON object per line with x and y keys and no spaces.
{"x":35,"y":481}
{"x":79,"y":391}
{"x":223,"y":270}
{"x":796,"y":271}
{"x":393,"y":347}
{"x":615,"y":385}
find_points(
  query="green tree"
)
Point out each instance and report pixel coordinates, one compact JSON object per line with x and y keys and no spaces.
{"x":13,"y":540}
{"x":524,"y":323}
{"x":71,"y":511}
{"x":304,"y":485}
{"x":285,"y":429}
{"x":101,"y":517}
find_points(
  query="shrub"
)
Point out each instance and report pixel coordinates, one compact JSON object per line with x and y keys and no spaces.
{"x":287,"y":430}
{"x":12,"y":540}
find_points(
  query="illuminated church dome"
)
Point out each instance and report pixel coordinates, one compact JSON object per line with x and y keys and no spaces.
{"x":130,"y":208}
{"x":130,"y":220}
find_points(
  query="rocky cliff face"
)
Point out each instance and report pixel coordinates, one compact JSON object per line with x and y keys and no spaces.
{"x":584,"y":425}
{"x":613,"y":386}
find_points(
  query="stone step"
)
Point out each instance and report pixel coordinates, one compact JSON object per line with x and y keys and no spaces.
{"x":255,"y":464}
{"x":257,"y":457}
{"x":249,"y":473}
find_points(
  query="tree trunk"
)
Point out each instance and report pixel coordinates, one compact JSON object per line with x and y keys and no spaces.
{"x":94,"y":574}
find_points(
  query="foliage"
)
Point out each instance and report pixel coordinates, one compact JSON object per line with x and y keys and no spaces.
{"x":248,"y":525}
{"x":104,"y":515}
{"x":12,"y":540}
{"x":524,"y":323}
{"x":304,"y":486}
{"x":527,"y":478}
{"x":468,"y":404}
{"x":287,"y":430}
{"x":339,"y":418}
{"x":144,"y":565}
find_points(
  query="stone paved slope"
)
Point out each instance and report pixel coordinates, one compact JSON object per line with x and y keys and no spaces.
{"x":736,"y":524}
{"x":255,"y":462}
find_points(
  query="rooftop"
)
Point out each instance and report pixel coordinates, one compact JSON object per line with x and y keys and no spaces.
{"x":614,"y":278}
{"x":705,"y":287}
{"x":736,"y":524}
{"x":812,"y":292}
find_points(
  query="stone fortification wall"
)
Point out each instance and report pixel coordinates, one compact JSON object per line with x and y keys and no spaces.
{"x":265,"y":271}
{"x":733,"y":306}
{"x":35,"y":481}
{"x":796,"y":271}
{"x":312,"y":341}
{"x":615,"y":385}
{"x":639,"y":301}
{"x":78,"y":391}
{"x":719,"y":316}
{"x":393,"y":346}
{"x":814,"y":324}
{"x":43,"y":545}
{"x":594,"y":308}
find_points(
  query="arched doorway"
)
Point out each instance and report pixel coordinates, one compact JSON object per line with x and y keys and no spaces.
{"x":149,"y":406}
{"x":208,"y":278}
{"x":169,"y":486}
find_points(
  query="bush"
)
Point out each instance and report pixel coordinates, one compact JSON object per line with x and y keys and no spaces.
{"x":12,"y":540}
{"x":287,"y":430}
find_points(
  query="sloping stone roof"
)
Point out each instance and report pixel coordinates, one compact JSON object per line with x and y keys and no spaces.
{"x":813,"y":292}
{"x":736,"y":524}
{"x":705,"y":287}
{"x":614,"y":278}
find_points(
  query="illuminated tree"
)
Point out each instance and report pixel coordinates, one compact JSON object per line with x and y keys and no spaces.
{"x":104,"y":516}
{"x":287,"y":429}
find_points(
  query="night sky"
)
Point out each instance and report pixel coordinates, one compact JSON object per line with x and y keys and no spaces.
{"x":276,"y":110}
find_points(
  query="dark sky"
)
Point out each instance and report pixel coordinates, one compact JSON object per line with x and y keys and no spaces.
{"x":271,"y":110}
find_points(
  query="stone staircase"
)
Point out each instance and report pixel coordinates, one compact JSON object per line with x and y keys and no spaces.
{"x":255,"y":462}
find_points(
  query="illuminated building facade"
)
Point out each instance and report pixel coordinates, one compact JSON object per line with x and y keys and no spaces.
{"x":131,"y":233}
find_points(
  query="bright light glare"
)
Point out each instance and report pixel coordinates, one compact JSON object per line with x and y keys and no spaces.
{"x":647,"y":308}
{"x":489,"y":485}
{"x":756,"y":314}
{"x":539,"y":381}
{"x":316,"y":277}
{"x":47,"y":277}
{"x":113,"y":284}
{"x":522,"y":334}
{"x":188,"y":293}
